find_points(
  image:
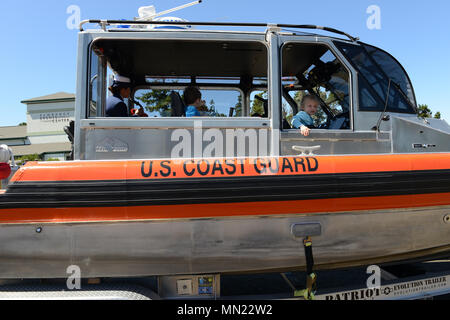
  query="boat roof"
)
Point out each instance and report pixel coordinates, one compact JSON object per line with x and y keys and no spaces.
{"x":279,"y":27}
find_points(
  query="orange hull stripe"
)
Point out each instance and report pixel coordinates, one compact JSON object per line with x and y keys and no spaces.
{"x":169,"y":169}
{"x":58,"y":215}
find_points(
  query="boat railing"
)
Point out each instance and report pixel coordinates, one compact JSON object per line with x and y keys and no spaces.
{"x":104,"y":23}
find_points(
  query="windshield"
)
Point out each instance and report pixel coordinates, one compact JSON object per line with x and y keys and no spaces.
{"x":393,"y":69}
{"x":379,"y":75}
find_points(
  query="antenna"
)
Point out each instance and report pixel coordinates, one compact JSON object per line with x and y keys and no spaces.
{"x":155,"y":15}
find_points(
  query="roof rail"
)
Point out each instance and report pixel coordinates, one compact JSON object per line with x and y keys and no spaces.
{"x":105,"y":23}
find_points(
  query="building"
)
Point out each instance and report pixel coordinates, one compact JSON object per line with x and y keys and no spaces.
{"x":43,"y":133}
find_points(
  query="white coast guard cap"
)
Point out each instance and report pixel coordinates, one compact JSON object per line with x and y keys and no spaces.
{"x":119,"y":78}
{"x":121,"y":82}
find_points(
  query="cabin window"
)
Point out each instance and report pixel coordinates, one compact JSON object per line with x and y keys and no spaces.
{"x":228,"y":73}
{"x":95,"y":87}
{"x":313,"y":69}
{"x":379,"y":75}
{"x":158,"y":100}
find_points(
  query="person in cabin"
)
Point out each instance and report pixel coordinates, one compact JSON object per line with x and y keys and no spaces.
{"x":303,"y":120}
{"x":195,"y":106}
{"x":120,"y":89}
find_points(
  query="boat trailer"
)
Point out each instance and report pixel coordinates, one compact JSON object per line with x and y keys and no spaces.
{"x":421,"y":281}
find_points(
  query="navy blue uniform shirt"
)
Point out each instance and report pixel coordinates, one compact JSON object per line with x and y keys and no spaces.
{"x":115,"y":107}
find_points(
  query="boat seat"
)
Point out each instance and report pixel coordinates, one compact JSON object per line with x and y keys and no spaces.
{"x":265,"y":103}
{"x":178,"y":106}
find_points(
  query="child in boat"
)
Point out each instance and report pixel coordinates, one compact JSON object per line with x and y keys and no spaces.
{"x":195,"y":106}
{"x":303,"y":120}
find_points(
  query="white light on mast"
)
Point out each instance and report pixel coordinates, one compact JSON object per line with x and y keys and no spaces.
{"x":146,"y":13}
{"x":149,"y":13}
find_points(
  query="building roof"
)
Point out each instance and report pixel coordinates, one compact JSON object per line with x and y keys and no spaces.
{"x":16,"y":132}
{"x":41,"y":148}
{"x":56,"y":97}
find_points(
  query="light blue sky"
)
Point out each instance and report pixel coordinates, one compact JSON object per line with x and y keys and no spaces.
{"x":38,"y":51}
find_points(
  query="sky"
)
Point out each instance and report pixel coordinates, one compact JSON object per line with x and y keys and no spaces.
{"x":38,"y":51}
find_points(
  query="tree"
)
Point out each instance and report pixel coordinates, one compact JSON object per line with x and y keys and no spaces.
{"x":31,"y":157}
{"x":287,"y":112}
{"x":212,"y":111}
{"x":157,"y":100}
{"x":212,"y":106}
{"x":22,"y":124}
{"x":258,"y":105}
{"x":238,"y":107}
{"x":424,"y":111}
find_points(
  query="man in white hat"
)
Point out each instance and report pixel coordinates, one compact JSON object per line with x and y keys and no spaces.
{"x":121,"y":89}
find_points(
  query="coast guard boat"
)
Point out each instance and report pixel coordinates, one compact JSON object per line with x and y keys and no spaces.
{"x":240,"y":189}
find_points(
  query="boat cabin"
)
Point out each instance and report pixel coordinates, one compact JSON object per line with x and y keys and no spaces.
{"x":253,"y":84}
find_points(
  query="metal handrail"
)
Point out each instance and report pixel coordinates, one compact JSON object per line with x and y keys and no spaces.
{"x":104,"y":23}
